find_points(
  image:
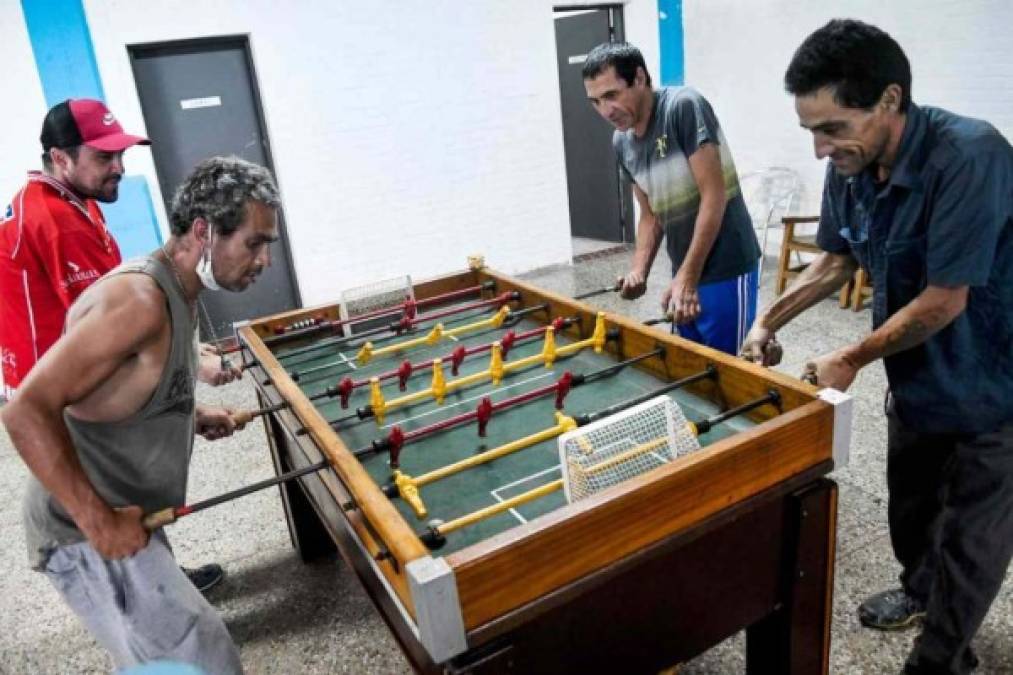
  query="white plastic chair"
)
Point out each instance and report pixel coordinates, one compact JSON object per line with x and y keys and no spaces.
{"x":769,"y":194}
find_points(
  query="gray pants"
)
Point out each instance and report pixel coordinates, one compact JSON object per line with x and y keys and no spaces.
{"x":143,"y":608}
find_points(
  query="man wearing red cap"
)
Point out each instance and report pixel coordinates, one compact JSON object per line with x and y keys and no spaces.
{"x":54,"y":243}
{"x":53,"y":238}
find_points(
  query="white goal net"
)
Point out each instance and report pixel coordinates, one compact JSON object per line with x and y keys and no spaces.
{"x":368,"y":298}
{"x":624,"y":445}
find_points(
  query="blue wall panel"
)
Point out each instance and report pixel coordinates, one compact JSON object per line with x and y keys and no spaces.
{"x":64,"y":55}
{"x":61,"y":42}
{"x":131,"y":219}
{"x":673,"y":63}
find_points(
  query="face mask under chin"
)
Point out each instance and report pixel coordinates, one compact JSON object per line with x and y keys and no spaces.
{"x":206,"y":273}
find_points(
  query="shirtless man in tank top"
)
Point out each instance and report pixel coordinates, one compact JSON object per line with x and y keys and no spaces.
{"x":106,"y":420}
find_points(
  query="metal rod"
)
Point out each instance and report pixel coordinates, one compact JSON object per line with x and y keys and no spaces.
{"x":601,"y":291}
{"x":379,"y":445}
{"x":434,"y":536}
{"x":389,"y":311}
{"x":420,"y":366}
{"x":709,"y":372}
{"x":661,"y":319}
{"x":403,"y":325}
{"x":609,"y":370}
{"x":512,"y":319}
{"x":772,"y":397}
{"x":170,"y":515}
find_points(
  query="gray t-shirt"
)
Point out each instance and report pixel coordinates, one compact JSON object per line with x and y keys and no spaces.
{"x":682,"y":120}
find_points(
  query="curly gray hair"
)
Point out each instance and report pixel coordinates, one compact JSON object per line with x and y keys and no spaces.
{"x":217,"y":191}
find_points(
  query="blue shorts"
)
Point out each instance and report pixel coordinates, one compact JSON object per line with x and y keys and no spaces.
{"x":727,"y":310}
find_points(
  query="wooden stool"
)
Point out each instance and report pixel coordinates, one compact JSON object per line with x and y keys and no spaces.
{"x":854,"y":292}
{"x":792,"y":242}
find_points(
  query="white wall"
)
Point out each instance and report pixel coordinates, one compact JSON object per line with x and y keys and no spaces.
{"x":403,"y":139}
{"x":24,"y":104}
{"x":960,"y":51}
{"x":641,"y":25}
{"x":406,"y":139}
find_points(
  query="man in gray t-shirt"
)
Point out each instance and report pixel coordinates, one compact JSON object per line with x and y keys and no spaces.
{"x":670,"y":147}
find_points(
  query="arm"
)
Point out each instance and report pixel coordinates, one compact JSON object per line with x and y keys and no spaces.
{"x":80,"y":362}
{"x":649,"y":236}
{"x":705,"y":165}
{"x":931,"y":311}
{"x":214,"y":368}
{"x":826,"y":274}
{"x":822,"y":277}
{"x":969,"y":210}
{"x":216,"y":422}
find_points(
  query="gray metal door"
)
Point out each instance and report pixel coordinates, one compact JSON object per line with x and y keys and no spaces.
{"x":600,"y":207}
{"x":199,"y":99}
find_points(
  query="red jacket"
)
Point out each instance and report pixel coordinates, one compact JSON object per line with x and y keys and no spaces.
{"x":52,"y":247}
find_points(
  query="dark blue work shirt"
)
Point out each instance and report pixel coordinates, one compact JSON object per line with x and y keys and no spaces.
{"x":943,"y":219}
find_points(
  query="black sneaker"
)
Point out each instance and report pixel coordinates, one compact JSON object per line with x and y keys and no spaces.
{"x":890,"y":610}
{"x":204,"y":577}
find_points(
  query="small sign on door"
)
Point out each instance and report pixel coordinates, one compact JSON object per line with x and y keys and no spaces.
{"x":206,"y":102}
{"x":576,"y":58}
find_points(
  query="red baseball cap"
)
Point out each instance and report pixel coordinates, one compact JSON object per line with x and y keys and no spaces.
{"x":85,"y":121}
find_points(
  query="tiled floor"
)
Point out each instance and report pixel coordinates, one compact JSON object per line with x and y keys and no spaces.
{"x":289,"y":617}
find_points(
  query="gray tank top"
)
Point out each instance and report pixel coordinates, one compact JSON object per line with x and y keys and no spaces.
{"x":142,"y":460}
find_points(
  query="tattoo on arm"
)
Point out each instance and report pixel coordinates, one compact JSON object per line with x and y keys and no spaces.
{"x":915,"y":323}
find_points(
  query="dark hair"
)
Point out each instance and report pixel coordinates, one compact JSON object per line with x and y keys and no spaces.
{"x":73,"y":151}
{"x":59,"y":128}
{"x":622,"y":56}
{"x":857,"y":60}
{"x":218,"y":190}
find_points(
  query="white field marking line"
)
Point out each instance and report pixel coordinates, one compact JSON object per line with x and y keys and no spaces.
{"x":345,"y":361}
{"x":467,"y":400}
{"x":525,"y":479}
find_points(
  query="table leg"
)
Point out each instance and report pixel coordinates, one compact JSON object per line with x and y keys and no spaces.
{"x":795,"y":640}
{"x":309,"y":537}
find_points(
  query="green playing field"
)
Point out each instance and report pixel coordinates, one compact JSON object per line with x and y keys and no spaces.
{"x":495,"y":481}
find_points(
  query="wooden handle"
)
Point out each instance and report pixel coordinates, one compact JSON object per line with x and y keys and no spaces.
{"x":158,"y":519}
{"x":243,"y":417}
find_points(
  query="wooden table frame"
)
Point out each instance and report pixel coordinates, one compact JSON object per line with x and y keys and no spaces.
{"x":500,"y":605}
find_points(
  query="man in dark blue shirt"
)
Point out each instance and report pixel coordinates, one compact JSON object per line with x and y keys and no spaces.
{"x":922,"y":199}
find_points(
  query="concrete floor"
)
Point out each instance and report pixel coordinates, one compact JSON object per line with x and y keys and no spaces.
{"x":288,"y":617}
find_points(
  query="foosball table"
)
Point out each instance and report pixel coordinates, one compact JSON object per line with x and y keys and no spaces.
{"x":525,"y":484}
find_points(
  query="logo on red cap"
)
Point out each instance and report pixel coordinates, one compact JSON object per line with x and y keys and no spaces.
{"x":98,"y":126}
